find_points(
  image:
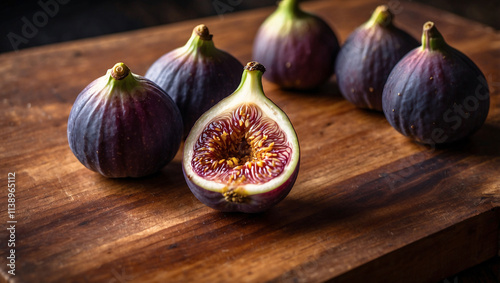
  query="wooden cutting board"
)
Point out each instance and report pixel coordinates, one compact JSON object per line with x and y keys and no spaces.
{"x":368,"y":205}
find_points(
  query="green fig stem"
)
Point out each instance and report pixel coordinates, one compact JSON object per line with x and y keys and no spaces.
{"x":431,"y":38}
{"x":290,"y":5}
{"x":200,"y":41}
{"x":251,"y":80}
{"x":290,"y":8}
{"x":120,"y":77}
{"x":381,"y":16}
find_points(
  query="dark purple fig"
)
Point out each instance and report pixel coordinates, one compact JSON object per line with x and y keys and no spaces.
{"x":242,"y":154}
{"x":436,"y":94}
{"x":298,"y":48}
{"x":124,"y":125}
{"x":196,"y":76}
{"x":368,"y":56}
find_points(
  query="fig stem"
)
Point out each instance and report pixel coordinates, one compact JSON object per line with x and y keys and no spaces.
{"x":120,"y":71}
{"x":200,"y":42}
{"x":120,"y":77}
{"x":203,"y":32}
{"x":381,"y":16}
{"x":432,"y":38}
{"x":253,"y":65}
{"x":290,"y":7}
{"x":251,"y":80}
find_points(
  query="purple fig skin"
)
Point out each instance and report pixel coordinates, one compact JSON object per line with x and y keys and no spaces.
{"x":124,"y":132}
{"x":368,"y":56}
{"x":196,"y":76}
{"x":253,"y":204}
{"x":436,"y":94}
{"x":297,"y":48}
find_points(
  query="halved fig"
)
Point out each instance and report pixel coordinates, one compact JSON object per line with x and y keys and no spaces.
{"x":243,"y":154}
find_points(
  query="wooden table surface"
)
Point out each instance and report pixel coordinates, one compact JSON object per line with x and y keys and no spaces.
{"x":369,"y":205}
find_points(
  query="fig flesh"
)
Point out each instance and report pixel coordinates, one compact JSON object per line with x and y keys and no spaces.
{"x":436,"y":94}
{"x":368,"y":56}
{"x":123,"y":125}
{"x":243,"y":154}
{"x":298,"y":48}
{"x":197,"y":75}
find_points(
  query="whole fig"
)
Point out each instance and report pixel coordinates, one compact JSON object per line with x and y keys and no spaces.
{"x":123,"y":125}
{"x":298,"y":48}
{"x":368,"y":56}
{"x":243,"y":154}
{"x":436,"y":94}
{"x":196,"y":76}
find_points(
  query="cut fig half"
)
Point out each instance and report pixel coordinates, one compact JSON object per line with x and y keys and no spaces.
{"x":242,"y":154}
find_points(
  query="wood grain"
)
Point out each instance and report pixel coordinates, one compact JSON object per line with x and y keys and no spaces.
{"x":368,"y":203}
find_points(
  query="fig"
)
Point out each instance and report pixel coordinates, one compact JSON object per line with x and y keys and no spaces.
{"x":124,"y":125}
{"x":436,"y":94}
{"x":368,"y":56}
{"x":242,"y":154}
{"x":298,"y":48}
{"x":197,"y":75}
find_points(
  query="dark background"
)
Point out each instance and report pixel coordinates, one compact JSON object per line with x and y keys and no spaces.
{"x":80,"y":19}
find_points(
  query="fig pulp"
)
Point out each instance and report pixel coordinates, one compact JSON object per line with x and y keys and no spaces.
{"x":368,"y":56}
{"x":298,"y":48}
{"x":436,"y":94}
{"x":196,"y":76}
{"x":123,"y":125}
{"x":243,"y":154}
